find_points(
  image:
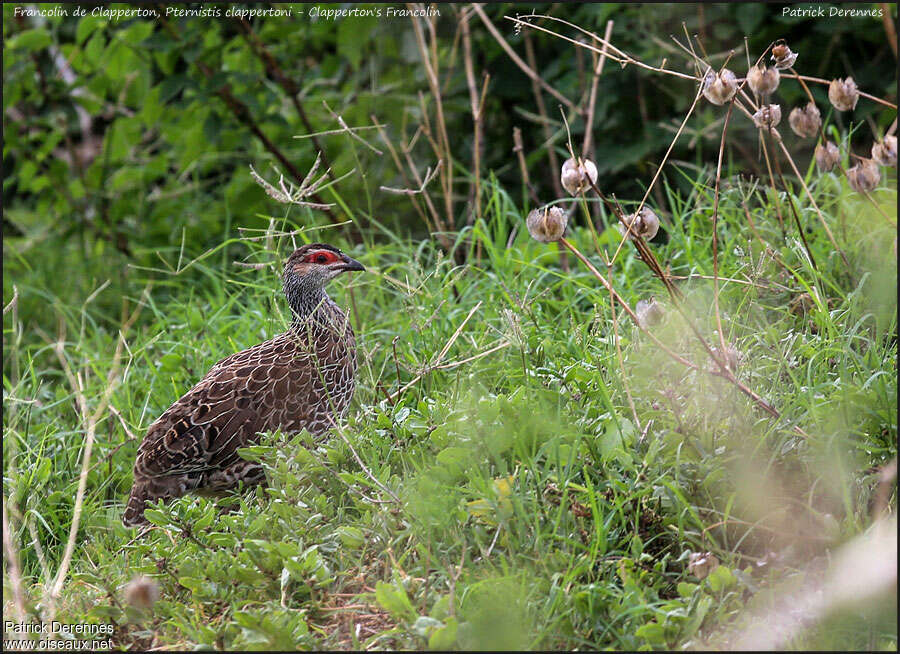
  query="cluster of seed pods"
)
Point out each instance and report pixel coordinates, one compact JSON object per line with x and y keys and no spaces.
{"x":805,"y":121}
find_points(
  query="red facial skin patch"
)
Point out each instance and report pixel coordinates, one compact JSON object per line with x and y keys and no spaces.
{"x":322,"y":257}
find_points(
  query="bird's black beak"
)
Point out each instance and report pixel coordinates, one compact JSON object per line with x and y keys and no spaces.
{"x":351,"y":264}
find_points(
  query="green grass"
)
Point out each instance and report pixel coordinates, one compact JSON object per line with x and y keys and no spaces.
{"x":533,"y":511}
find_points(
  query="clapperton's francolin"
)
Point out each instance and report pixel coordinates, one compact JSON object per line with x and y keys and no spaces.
{"x":301,"y":379}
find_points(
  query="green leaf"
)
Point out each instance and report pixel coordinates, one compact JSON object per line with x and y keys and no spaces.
{"x":191,"y":583}
{"x":445,"y":637}
{"x":93,"y":51}
{"x":156,"y":517}
{"x":86,"y":26}
{"x":686,"y":590}
{"x":441,"y":608}
{"x":424,"y":626}
{"x":351,"y":537}
{"x":652,"y":632}
{"x":171,"y":362}
{"x":720,"y":578}
{"x":30,"y":40}
{"x":691,"y":627}
{"x":394,"y":600}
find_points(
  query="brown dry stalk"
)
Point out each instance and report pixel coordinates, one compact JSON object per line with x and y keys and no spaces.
{"x":89,"y":421}
{"x":776,"y":136}
{"x":614,"y":53}
{"x":715,"y":236}
{"x":523,"y":169}
{"x":402,"y":171}
{"x":660,"y":167}
{"x":890,"y":30}
{"x":476,"y":114}
{"x":431,"y":73}
{"x":619,"y":359}
{"x":518,"y":60}
{"x":438,"y":223}
{"x":618,"y":298}
{"x":438,"y":361}
{"x":592,"y":102}
{"x":643,"y":249}
{"x":819,"y":80}
{"x":545,"y":120}
{"x":12,"y":568}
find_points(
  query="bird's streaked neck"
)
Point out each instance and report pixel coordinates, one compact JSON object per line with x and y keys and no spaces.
{"x":305,"y":298}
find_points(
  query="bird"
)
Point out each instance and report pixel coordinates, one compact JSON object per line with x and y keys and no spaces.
{"x":301,"y":379}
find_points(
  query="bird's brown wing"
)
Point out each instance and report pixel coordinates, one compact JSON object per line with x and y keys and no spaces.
{"x":256,"y":390}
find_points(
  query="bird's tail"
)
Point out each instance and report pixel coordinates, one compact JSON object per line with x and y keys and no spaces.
{"x":134,"y":510}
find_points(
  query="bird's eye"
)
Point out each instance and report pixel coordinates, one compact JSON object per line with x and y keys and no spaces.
{"x":322,"y":258}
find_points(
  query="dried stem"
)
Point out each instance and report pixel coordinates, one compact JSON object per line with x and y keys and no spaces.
{"x":12,"y":568}
{"x":402,"y":171}
{"x":819,"y":80}
{"x":523,"y":169}
{"x":545,"y":120}
{"x":614,"y":53}
{"x":89,"y":421}
{"x":352,"y":132}
{"x":724,"y":371}
{"x":477,"y":107}
{"x":525,"y":68}
{"x":715,"y":238}
{"x":592,"y":102}
{"x":443,"y":152}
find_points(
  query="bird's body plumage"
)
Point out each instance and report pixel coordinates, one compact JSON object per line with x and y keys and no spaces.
{"x":300,"y":379}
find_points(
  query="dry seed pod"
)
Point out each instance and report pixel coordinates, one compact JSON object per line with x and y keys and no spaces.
{"x":649,"y":312}
{"x":644,"y":223}
{"x":768,"y":115}
{"x":843,"y":94}
{"x":763,"y":81}
{"x":720,"y":87}
{"x":783,"y":56}
{"x":732,"y":357}
{"x":547,"y":224}
{"x":142,"y":592}
{"x":885,"y":152}
{"x":864,"y":176}
{"x":827,"y":155}
{"x":806,"y":121}
{"x":578,"y":175}
{"x":700,"y":564}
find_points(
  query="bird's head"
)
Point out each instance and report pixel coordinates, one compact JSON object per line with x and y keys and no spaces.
{"x":310,"y":268}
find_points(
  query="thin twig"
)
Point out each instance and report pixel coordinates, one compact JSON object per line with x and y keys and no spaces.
{"x":715,"y":235}
{"x":89,"y":421}
{"x":523,"y":169}
{"x":12,"y":568}
{"x":242,"y":113}
{"x":518,"y":60}
{"x":614,"y":53}
{"x":349,"y":131}
{"x":477,"y":106}
{"x":429,"y":175}
{"x":431,"y":73}
{"x":592,"y":103}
